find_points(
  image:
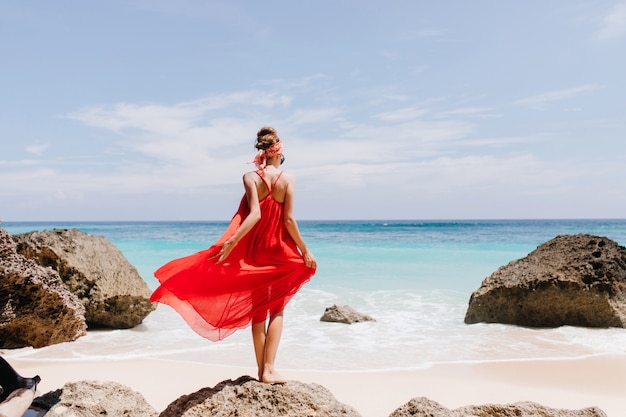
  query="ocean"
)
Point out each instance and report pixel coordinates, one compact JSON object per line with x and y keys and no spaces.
{"x":413,"y":277}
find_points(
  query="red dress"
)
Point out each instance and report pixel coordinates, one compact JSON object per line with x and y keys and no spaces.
{"x":259,"y":277}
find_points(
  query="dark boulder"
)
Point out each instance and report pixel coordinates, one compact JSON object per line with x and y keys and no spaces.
{"x":577,"y":280}
{"x":96,"y":271}
{"x":36,"y":309}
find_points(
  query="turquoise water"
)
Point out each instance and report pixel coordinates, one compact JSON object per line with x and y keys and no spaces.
{"x":413,"y":277}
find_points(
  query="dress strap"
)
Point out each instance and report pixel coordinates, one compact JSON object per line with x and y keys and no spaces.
{"x":261,"y":174}
{"x":270,"y":188}
{"x":276,"y":180}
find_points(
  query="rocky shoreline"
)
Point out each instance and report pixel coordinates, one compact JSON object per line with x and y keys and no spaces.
{"x":246,"y":396}
{"x":55,"y":285}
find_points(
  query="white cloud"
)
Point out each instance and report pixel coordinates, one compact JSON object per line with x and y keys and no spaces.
{"x":187,"y":136}
{"x":540,"y":101}
{"x":37,"y":149}
{"x":426,"y":33}
{"x":206,"y":142}
{"x":164,"y":119}
{"x":17,"y":163}
{"x":476,"y":112}
{"x":403,"y":114}
{"x":393,"y":141}
{"x":308,"y":116}
{"x":498,"y":142}
{"x":613,"y":24}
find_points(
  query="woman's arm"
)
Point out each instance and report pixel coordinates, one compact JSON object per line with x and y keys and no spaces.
{"x":253,"y":217}
{"x":292,"y":225}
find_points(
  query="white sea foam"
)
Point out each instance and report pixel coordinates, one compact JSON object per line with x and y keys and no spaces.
{"x":414,"y":279}
{"x":411,"y":331}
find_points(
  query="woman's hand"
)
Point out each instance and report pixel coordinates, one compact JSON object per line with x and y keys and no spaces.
{"x":309,"y":260}
{"x":223,"y":253}
{"x":249,"y":182}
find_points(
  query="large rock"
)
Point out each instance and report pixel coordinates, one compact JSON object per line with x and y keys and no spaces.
{"x":577,"y":280}
{"x":95,"y":399}
{"x":111,"y":289}
{"x":36,"y":309}
{"x":248,"y":397}
{"x":343,"y":314}
{"x":423,"y":407}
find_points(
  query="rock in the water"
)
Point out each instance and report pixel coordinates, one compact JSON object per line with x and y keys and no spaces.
{"x":344,"y":314}
{"x":577,"y":280}
{"x":248,"y":397}
{"x":95,"y":399}
{"x":423,"y":407}
{"x":36,"y":309}
{"x":111,"y":289}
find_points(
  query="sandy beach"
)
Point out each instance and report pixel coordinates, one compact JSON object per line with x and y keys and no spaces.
{"x":571,"y":384}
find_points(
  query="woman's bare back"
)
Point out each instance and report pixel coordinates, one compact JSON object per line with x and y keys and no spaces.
{"x":278,"y":180}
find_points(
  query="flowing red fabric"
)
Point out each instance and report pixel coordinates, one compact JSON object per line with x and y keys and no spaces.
{"x":259,"y":277}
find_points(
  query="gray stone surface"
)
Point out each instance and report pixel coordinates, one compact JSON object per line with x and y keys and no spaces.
{"x":577,"y":280}
{"x":344,"y":314}
{"x":423,"y":407}
{"x":95,"y":399}
{"x":36,"y":309}
{"x":96,"y":271}
{"x":248,"y":397}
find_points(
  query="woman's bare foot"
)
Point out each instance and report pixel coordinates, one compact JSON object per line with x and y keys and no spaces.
{"x":270,"y":376}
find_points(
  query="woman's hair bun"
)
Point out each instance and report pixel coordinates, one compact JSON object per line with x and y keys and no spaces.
{"x":266,"y":137}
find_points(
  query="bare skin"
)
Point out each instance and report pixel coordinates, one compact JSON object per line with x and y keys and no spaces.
{"x":266,"y":334}
{"x":266,"y":340}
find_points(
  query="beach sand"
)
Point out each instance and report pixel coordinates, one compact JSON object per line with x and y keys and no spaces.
{"x":569,"y":383}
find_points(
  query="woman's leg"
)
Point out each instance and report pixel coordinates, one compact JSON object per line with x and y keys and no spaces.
{"x":266,"y":341}
{"x":272,"y":340}
{"x":258,"y":339}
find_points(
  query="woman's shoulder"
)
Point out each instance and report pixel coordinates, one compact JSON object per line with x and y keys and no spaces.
{"x":286,"y":178}
{"x":251,"y":176}
{"x":287,"y":175}
{"x":279,"y":177}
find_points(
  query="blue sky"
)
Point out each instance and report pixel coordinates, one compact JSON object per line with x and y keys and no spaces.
{"x":148,"y":110}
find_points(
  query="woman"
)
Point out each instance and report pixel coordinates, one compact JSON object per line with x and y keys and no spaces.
{"x":252,"y":271}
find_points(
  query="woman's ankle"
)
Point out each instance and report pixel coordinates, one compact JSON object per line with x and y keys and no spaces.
{"x":270,"y":376}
